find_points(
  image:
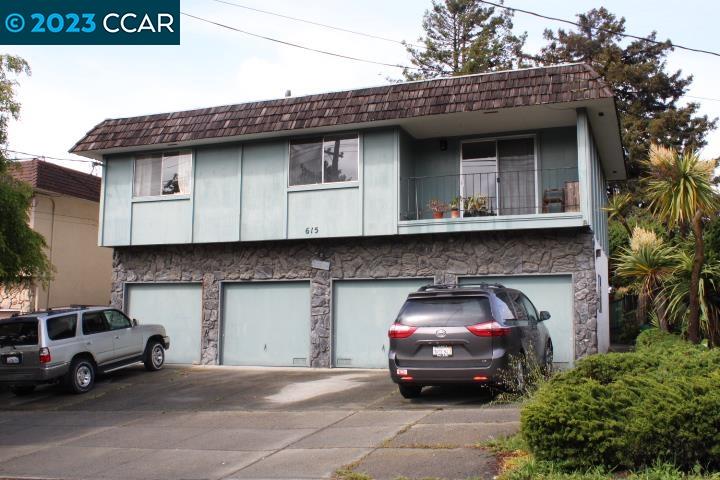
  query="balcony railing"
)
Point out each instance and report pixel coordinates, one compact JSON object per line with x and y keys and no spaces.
{"x":523,"y":192}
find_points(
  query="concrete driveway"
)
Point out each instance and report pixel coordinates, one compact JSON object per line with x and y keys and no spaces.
{"x":212,"y":423}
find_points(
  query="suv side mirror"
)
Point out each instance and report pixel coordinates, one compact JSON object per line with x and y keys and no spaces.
{"x":134,"y":322}
{"x":544,"y":315}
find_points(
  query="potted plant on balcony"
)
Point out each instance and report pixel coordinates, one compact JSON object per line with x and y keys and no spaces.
{"x":455,"y":207}
{"x":477,"y":206}
{"x":437,"y":208}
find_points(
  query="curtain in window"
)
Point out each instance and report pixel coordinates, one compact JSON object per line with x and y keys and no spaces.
{"x":516,"y":165}
{"x":184,"y":173}
{"x":147,"y":175}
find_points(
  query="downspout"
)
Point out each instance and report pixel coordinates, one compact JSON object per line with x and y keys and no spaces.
{"x":50,"y":250}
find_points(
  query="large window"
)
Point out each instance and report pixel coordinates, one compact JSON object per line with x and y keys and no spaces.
{"x":329,"y":159}
{"x":162,"y":174}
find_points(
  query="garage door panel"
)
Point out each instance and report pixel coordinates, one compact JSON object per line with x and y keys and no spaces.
{"x":553,"y":293}
{"x":266,"y":324}
{"x":363,"y":311}
{"x":178,"y":308}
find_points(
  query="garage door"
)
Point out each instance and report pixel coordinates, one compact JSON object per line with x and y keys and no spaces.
{"x":266,"y":324}
{"x":553,"y":293}
{"x":177,"y":307}
{"x":363,"y":311}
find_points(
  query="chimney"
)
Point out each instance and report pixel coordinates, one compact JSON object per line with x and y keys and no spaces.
{"x":288,"y":93}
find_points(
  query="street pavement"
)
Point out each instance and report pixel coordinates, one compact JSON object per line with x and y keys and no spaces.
{"x":249,"y":423}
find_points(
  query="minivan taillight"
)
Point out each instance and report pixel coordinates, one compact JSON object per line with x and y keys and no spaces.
{"x":489,"y":329}
{"x":400,"y":331}
{"x":45,"y":355}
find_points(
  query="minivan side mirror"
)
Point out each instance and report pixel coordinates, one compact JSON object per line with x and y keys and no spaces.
{"x":544,"y":315}
{"x":134,"y":322}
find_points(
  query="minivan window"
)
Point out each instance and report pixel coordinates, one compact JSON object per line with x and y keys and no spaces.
{"x":445,"y":312}
{"x":507,"y":309}
{"x":14,"y":333}
{"x":59,"y":328}
{"x":94,"y":322}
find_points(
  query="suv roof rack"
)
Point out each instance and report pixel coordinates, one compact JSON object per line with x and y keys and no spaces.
{"x":445,"y":286}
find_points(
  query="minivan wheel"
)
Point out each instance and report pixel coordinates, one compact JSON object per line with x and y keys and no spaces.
{"x":81,"y":376}
{"x":20,"y":390}
{"x":410,"y":391}
{"x":548,"y":360}
{"x":154,"y":356}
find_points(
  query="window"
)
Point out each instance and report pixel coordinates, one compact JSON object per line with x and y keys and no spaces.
{"x":162,"y":174}
{"x":507,"y":310}
{"x":329,"y":159}
{"x":531,"y":311}
{"x":94,"y":322}
{"x":446,"y":312}
{"x":59,"y":328}
{"x":117,"y":320}
{"x":17,"y":332}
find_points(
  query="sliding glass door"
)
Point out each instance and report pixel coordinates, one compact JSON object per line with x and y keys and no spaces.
{"x":502,"y":170}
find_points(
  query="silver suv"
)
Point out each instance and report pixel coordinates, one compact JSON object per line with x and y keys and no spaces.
{"x":73,"y":345}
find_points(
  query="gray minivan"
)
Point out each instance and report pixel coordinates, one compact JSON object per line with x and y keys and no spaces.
{"x":461,"y":334}
{"x":73,"y":345}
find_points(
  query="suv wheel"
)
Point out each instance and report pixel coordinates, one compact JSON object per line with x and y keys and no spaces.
{"x":410,"y":391}
{"x":154,"y":356}
{"x":21,"y":390}
{"x":81,"y":376}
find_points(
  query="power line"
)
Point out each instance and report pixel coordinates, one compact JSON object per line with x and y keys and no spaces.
{"x":303,"y":47}
{"x":36,"y":155}
{"x":605,"y":30}
{"x":318,"y":24}
{"x":703,"y":98}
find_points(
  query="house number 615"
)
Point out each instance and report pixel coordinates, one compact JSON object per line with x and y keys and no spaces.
{"x":311,"y":230}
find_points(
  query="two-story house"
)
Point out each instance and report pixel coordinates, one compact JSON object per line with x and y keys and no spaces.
{"x":289,"y":231}
{"x":64,"y":211}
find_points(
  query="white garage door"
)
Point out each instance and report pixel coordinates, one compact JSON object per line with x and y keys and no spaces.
{"x":553,"y":293}
{"x":178,"y":308}
{"x":363,"y":311}
{"x":266,"y":324}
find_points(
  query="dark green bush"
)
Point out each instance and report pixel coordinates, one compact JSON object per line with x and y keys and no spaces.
{"x":660,"y":403}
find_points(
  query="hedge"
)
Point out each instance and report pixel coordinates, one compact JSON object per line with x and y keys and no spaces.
{"x":631,"y":410}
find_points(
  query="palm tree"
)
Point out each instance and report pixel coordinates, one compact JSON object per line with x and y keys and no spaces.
{"x":677,"y":291}
{"x":618,"y":208}
{"x":646,"y":263}
{"x":681,"y":193}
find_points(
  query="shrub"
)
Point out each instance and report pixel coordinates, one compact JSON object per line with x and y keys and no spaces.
{"x":660,"y":403}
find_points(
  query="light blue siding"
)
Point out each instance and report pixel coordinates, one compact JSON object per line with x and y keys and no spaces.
{"x":266,"y":323}
{"x":335,"y":212}
{"x":363,"y":311}
{"x":116,"y":205}
{"x":592,"y":178}
{"x":162,"y":221}
{"x":175,"y":306}
{"x":216,"y":215}
{"x":264,"y":187}
{"x":380,"y":194}
{"x":553,"y":293}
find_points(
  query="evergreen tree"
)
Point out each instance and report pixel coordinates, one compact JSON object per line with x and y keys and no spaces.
{"x":463,"y":37}
{"x":21,"y":249}
{"x":648,"y":96}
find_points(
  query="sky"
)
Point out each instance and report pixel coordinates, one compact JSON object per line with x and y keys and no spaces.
{"x":72,"y":88}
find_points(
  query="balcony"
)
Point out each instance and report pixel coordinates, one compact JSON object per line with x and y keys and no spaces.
{"x":507,"y":197}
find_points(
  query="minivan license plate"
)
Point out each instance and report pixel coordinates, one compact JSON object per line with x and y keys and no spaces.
{"x":442,"y":351}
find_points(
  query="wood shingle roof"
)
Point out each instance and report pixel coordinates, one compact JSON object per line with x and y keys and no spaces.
{"x":491,"y":91}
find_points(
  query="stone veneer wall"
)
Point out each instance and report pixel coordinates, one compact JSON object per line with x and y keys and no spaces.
{"x":443,"y":257}
{"x":19,"y":298}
